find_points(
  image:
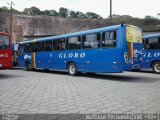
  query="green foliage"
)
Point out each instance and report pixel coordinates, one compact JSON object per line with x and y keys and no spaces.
{"x":15,"y":11}
{"x":149,"y":20}
{"x":73,"y":14}
{"x":92,"y":15}
{"x":81,"y":15}
{"x":32,"y":11}
{"x":63,"y":12}
{"x":49,"y":13}
{"x":4,"y":9}
{"x":53,"y":13}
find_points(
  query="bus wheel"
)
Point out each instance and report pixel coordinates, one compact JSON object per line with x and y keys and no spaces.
{"x":28,"y":66}
{"x":156,"y":67}
{"x":72,"y":69}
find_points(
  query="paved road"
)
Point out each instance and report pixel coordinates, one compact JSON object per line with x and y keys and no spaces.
{"x":56,"y":92}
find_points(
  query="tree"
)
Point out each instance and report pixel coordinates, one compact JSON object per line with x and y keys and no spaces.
{"x":49,"y":13}
{"x":15,"y":11}
{"x":46,"y":12}
{"x":81,"y":15}
{"x":53,"y":13}
{"x":92,"y":15}
{"x":73,"y":14}
{"x":32,"y":11}
{"x":4,"y":9}
{"x":149,"y":20}
{"x":63,"y":12}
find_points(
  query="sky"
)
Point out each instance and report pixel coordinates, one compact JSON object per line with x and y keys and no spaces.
{"x":135,"y":8}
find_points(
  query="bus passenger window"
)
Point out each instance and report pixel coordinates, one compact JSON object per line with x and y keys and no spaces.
{"x":59,"y":44}
{"x":20,"y":49}
{"x":73,"y":43}
{"x":27,"y":47}
{"x":4,"y":42}
{"x":36,"y":46}
{"x":90,"y":41}
{"x":47,"y":46}
{"x":152,"y":43}
{"x":109,"y":39}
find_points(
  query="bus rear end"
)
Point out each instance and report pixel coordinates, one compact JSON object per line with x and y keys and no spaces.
{"x":134,"y":46}
{"x":5,"y":51}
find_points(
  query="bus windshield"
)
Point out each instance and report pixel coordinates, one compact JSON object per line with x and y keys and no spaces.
{"x":4,"y":42}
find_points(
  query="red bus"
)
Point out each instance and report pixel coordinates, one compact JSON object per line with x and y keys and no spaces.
{"x":5,"y":51}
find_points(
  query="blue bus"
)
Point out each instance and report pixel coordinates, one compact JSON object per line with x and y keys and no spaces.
{"x":108,"y":49}
{"x":151,"y":52}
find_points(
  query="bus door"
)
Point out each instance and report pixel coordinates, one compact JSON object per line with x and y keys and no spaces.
{"x":28,"y":55}
{"x":134,"y":41}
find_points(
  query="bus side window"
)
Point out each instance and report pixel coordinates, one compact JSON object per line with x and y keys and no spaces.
{"x":36,"y":46}
{"x":73,"y":43}
{"x":91,"y":41}
{"x":99,"y":39}
{"x":153,"y":43}
{"x":27,"y":47}
{"x":109,"y":39}
{"x":145,"y":43}
{"x":21,"y":49}
{"x":59,"y":44}
{"x":47,"y":46}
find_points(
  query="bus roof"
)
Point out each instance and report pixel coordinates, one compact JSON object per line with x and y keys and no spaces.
{"x":151,"y":35}
{"x":77,"y":33}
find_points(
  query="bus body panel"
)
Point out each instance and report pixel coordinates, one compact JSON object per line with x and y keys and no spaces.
{"x":86,"y":61}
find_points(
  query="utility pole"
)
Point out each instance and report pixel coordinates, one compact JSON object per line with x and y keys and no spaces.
{"x":11,"y":17}
{"x":111,"y":11}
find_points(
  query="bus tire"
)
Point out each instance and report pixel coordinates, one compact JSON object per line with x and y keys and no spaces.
{"x":156,"y":67}
{"x":72,"y":69}
{"x":28,"y":66}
